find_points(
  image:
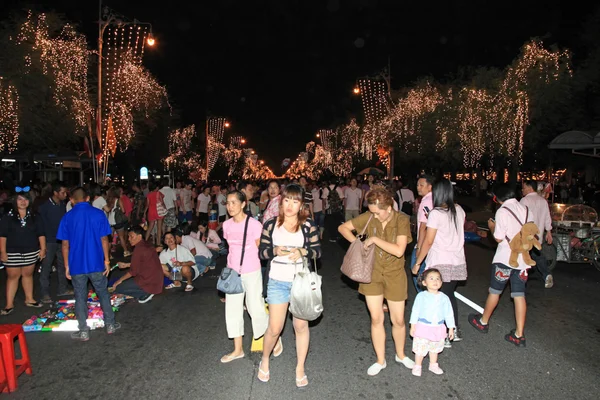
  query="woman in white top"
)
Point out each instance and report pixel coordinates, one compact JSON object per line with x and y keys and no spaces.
{"x":284,"y":241}
{"x":352,"y":199}
{"x":444,"y":244}
{"x":175,"y":255}
{"x":203,"y":204}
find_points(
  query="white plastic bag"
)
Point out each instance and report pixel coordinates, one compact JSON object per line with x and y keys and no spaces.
{"x":306,"y":299}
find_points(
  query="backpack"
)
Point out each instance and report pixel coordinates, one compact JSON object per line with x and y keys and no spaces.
{"x":335,"y":203}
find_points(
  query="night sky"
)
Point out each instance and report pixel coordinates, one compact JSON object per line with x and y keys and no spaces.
{"x":282,"y":69}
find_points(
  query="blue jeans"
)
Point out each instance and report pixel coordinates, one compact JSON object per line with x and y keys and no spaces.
{"x":203,"y":262}
{"x":52,"y":250}
{"x":130,"y":288}
{"x":80,"y":287}
{"x":541,"y":264}
{"x":320,"y":219}
{"x":413,"y":260}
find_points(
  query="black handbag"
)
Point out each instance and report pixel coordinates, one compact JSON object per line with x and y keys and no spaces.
{"x":230,"y":281}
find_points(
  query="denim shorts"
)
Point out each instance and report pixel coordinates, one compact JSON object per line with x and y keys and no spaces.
{"x":501,"y":275}
{"x":278,"y":292}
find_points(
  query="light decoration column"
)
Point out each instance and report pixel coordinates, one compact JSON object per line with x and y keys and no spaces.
{"x":373,"y":94}
{"x":215,"y":127}
{"x":9,"y":117}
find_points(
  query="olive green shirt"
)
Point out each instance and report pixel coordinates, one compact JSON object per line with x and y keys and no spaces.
{"x":399,"y":225}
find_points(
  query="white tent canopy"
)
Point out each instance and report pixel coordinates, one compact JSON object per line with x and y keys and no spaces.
{"x":579,"y":142}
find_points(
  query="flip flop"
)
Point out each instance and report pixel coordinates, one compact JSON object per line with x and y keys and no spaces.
{"x":229,"y":358}
{"x":280,"y":344}
{"x":37,"y":304}
{"x":7,"y":311}
{"x":171,"y":286}
{"x":299,"y":383}
{"x":267,"y":374}
{"x":189,"y":288}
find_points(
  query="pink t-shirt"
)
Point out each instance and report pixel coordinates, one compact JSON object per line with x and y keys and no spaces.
{"x":426,"y":201}
{"x":447,"y":253}
{"x":233,"y":232}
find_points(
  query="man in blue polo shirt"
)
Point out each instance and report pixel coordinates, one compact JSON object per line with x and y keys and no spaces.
{"x":83,"y":232}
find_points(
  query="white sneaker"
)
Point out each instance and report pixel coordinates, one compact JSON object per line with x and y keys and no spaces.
{"x":407,"y":362}
{"x":376,"y":368}
{"x":549,"y":282}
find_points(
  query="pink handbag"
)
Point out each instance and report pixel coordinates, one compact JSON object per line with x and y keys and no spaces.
{"x":359,"y":259}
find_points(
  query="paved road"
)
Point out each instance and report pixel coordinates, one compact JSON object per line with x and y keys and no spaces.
{"x":170,"y":349}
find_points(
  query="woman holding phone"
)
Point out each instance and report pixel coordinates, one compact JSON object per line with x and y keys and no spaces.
{"x":284,"y":241}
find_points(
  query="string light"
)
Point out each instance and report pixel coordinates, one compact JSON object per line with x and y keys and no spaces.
{"x":180,"y":154}
{"x":9,"y":117}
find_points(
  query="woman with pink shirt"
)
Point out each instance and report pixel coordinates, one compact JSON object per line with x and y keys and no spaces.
{"x":233,"y":231}
{"x":443,"y":247}
{"x":272,"y":207}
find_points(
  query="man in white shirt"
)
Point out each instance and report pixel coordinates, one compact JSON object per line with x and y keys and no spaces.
{"x":201,"y":253}
{"x":406,"y":199}
{"x":504,"y":228}
{"x":352,"y":198}
{"x":538,"y":207}
{"x":203,"y":201}
{"x":170,"y":201}
{"x":222,"y":200}
{"x":424,"y":188}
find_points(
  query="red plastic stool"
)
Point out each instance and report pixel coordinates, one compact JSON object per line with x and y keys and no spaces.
{"x":14,"y":368}
{"x":3,"y":384}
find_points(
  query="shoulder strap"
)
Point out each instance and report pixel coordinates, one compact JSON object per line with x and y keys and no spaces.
{"x":244,"y":241}
{"x":515,"y":215}
{"x":367,"y":224}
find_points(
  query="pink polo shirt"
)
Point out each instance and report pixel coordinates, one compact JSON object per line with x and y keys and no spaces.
{"x":422,"y":215}
{"x":233,"y":232}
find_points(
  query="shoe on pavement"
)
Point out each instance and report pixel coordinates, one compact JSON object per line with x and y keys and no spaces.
{"x":475,"y":321}
{"x":517,"y":341}
{"x":68,"y":292}
{"x":145,"y":299}
{"x":82,"y":336}
{"x":447,"y":344}
{"x":549,"y":282}
{"x":416,"y":371}
{"x":376,"y":368}
{"x":458,"y":336}
{"x":435,"y":368}
{"x":47,"y":299}
{"x":407,"y":362}
{"x":111,"y":328}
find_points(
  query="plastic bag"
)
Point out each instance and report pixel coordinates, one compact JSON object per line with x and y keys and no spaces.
{"x":306,"y":299}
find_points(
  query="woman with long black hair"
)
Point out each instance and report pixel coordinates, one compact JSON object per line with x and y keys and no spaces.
{"x":444,"y":244}
{"x":22,"y":244}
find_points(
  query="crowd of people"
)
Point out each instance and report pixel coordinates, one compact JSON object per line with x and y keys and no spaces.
{"x":267,"y":231}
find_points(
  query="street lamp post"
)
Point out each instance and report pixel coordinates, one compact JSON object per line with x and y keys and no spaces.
{"x":102,"y":24}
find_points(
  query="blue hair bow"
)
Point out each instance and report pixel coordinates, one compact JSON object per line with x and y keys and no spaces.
{"x":25,"y":189}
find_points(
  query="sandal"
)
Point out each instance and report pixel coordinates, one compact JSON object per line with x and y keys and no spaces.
{"x":229,"y":358}
{"x":171,"y":286}
{"x":302,"y":382}
{"x":37,"y":304}
{"x":265,"y":374}
{"x":189,"y":288}
{"x":7,"y":311}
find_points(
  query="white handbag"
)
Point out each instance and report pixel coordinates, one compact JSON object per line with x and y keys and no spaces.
{"x":306,"y":299}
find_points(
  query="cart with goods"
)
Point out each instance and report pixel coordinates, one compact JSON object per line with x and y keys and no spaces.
{"x":575,"y":235}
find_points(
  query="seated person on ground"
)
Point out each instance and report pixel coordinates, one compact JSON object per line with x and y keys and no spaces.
{"x":178,"y":256}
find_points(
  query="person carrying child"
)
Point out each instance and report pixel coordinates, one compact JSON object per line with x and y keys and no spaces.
{"x":431,"y":314}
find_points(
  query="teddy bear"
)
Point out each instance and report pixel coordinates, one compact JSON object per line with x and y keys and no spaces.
{"x":522,"y":243}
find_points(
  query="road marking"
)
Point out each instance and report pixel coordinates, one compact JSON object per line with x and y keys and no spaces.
{"x":468,"y":302}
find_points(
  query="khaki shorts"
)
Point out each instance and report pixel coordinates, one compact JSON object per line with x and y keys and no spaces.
{"x":391,"y":283}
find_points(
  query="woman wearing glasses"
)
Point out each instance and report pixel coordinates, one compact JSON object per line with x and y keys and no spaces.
{"x":22,"y":244}
{"x":284,"y":241}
